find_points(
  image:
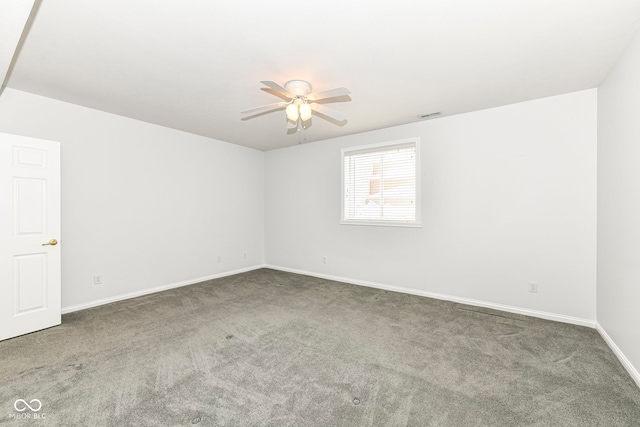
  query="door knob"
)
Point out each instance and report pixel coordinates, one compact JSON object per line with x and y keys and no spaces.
{"x":52,"y":242}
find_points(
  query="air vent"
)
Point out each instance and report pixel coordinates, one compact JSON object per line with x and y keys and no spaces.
{"x":430,"y":116}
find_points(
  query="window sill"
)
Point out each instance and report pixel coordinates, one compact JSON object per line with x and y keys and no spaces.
{"x":383,"y":224}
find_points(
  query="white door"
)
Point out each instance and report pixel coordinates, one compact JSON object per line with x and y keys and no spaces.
{"x":29,"y":235}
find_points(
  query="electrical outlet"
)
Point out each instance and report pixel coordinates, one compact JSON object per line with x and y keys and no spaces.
{"x":219,"y":258}
{"x":324,"y":259}
{"x":244,"y":254}
{"x":533,"y":287}
{"x":97,"y":279}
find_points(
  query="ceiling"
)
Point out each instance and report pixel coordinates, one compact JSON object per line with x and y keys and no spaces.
{"x":194,"y":65}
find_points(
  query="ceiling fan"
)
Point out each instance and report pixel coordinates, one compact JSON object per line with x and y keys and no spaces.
{"x":300,"y":103}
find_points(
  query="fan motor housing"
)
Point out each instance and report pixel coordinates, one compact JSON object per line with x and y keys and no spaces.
{"x":298,"y":87}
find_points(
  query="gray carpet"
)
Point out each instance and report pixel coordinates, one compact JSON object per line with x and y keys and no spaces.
{"x":268,"y":348}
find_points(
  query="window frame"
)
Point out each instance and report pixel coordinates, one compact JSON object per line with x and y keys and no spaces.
{"x":383,"y":146}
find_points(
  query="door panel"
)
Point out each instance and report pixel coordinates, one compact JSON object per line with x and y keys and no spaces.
{"x":29,"y":282}
{"x":29,"y":196}
{"x":29,"y":220}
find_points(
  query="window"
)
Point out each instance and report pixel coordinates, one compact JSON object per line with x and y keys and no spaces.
{"x":380,"y":184}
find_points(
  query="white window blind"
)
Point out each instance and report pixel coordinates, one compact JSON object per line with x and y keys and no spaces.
{"x":380,"y":184}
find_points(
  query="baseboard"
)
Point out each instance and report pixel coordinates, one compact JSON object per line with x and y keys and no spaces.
{"x":143,"y":292}
{"x":477,"y":303}
{"x":467,"y":301}
{"x":621,"y":357}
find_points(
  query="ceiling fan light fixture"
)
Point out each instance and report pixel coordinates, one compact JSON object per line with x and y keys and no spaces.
{"x":305,"y":111}
{"x":300,"y":103}
{"x":292,"y":112}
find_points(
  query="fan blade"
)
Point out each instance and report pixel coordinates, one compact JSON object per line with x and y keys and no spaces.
{"x":265,"y":107}
{"x":275,"y":86}
{"x":329,"y":93}
{"x":295,"y":128}
{"x":329,"y":112}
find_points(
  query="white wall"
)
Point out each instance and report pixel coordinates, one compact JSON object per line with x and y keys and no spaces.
{"x":145,"y":206}
{"x":618,"y":297}
{"x":508,"y":196}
